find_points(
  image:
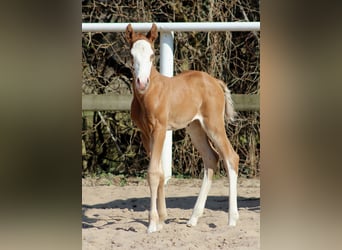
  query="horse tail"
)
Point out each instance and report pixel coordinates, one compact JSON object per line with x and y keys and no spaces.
{"x":229,"y":113}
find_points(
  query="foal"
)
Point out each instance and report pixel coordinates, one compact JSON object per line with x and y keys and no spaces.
{"x":193,"y":100}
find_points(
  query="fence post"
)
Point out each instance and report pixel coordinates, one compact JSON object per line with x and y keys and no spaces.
{"x":166,"y":68}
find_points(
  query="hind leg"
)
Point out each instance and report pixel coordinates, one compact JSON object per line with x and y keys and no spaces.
{"x":217,"y":134}
{"x":231,"y":164}
{"x":210,"y":159}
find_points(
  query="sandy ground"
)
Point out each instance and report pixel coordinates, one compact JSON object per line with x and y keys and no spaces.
{"x":116,"y":216}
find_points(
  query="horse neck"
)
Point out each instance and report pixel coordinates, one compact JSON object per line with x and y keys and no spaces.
{"x":155,"y":74}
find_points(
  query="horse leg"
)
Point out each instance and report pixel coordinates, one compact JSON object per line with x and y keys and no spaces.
{"x":146,"y":143}
{"x":156,"y":181}
{"x":217,"y":134}
{"x":210,"y":159}
{"x":231,"y":163}
{"x":161,"y":203}
{"x":138,"y":121}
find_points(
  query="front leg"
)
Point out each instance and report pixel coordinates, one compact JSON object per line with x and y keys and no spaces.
{"x":156,"y":181}
{"x":138,"y":119}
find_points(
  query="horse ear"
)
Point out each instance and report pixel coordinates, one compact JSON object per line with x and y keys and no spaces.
{"x":153,"y":33}
{"x":129,"y":33}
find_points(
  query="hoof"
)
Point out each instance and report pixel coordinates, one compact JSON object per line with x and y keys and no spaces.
{"x":192,"y":222}
{"x":232,"y":223}
{"x":153,"y":227}
{"x":233,"y":218}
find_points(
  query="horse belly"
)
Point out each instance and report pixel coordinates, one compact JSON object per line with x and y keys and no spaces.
{"x":181,"y":119}
{"x":184,"y":105}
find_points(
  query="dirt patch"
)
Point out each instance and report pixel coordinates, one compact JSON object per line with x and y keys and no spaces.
{"x":116,"y":216}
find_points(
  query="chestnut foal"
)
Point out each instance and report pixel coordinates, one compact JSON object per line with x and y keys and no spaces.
{"x":193,"y":100}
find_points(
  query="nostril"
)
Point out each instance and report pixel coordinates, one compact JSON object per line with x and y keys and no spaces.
{"x":141,"y":84}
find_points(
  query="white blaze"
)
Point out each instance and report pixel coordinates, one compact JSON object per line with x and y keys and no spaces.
{"x":142,"y":63}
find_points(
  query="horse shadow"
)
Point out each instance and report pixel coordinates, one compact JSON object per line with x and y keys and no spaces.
{"x":215,"y":203}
